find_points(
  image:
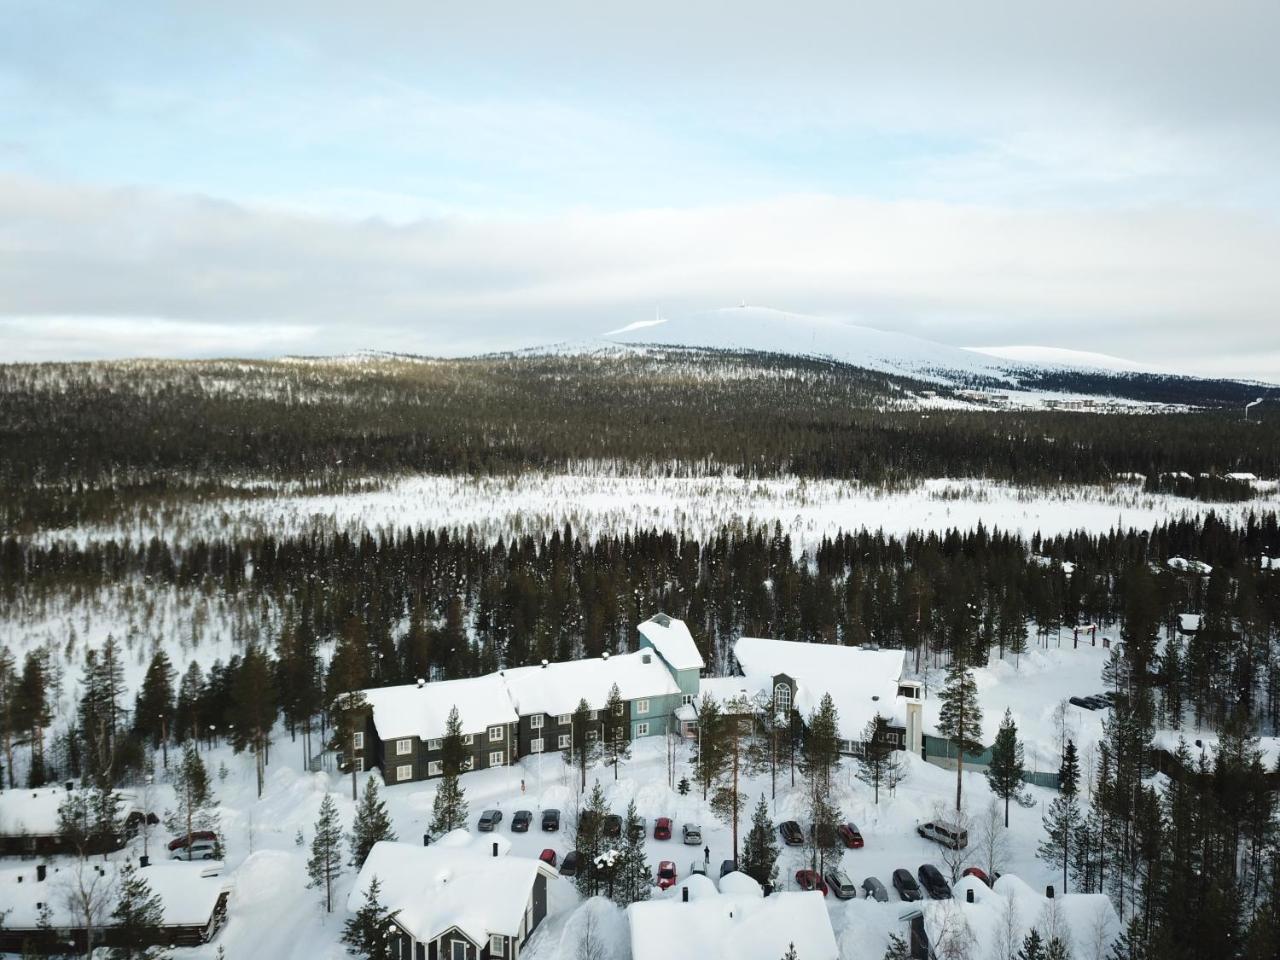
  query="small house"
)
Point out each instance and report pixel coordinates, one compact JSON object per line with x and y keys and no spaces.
{"x":29,"y":820}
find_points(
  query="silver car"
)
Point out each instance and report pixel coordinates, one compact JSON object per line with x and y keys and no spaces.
{"x":838,"y":882}
{"x":692,"y":833}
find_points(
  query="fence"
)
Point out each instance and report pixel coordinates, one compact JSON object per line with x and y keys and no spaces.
{"x":940,"y":752}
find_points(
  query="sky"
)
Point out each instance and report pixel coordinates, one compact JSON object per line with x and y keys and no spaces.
{"x":250,"y":179}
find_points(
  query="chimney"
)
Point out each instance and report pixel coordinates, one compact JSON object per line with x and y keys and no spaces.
{"x":646,"y":659}
{"x":426,"y":839}
{"x":70,"y":785}
{"x":605,"y":655}
{"x":1048,"y":892}
{"x":495,"y":848}
{"x":421,"y":683}
{"x":544,"y":664}
{"x":684,"y":894}
{"x":19,"y":878}
{"x":968,"y":895}
{"x":41,"y":872}
{"x":144,"y":861}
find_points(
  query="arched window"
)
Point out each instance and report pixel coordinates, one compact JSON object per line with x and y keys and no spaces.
{"x":782,"y":699}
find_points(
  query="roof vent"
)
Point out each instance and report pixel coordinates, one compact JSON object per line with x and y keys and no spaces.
{"x":421,"y":683}
{"x":646,"y":659}
{"x":684,"y":894}
{"x":605,"y":655}
{"x":544,"y":664}
{"x":495,"y":849}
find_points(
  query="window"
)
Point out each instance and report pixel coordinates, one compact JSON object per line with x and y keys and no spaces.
{"x":686,"y":700}
{"x":435,"y":744}
{"x":618,"y":710}
{"x":495,"y":733}
{"x":497,"y":758}
{"x":566,"y":741}
{"x":642,"y":706}
{"x":404,"y":771}
{"x":535,"y":746}
{"x":459,"y":950}
{"x":357,"y":741}
{"x":359,"y":764}
{"x":467,"y":764}
{"x":593,"y":715}
{"x":535,"y":722}
{"x":404,"y":747}
{"x":642,"y":729}
{"x":564,"y":719}
{"x":782,"y":699}
{"x":435,"y":768}
{"x":468,"y":739}
{"x":593,"y":736}
{"x":619,"y":732}
{"x":497,"y":944}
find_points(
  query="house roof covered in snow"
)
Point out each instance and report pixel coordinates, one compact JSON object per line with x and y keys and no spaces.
{"x":1188,"y":622}
{"x":557,"y":687}
{"x":731,"y":927}
{"x":455,"y":882}
{"x":671,"y":638}
{"x":188,"y":892}
{"x":861,"y":682}
{"x":410,"y":710}
{"x":727,"y":689}
{"x":34,"y":812}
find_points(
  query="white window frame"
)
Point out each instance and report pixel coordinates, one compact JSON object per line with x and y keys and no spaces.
{"x":495,"y":734}
{"x":566,"y":741}
{"x":453,"y":950}
{"x":497,"y":758}
{"x":535,"y":722}
{"x":497,"y":945}
{"x":357,"y":741}
{"x":435,"y":744}
{"x":404,"y":772}
{"x":642,"y":729}
{"x":535,"y":746}
{"x":564,"y":719}
{"x":619,"y":710}
{"x":594,"y":715}
{"x":404,"y":747}
{"x":435,"y":768}
{"x":686,"y":699}
{"x":781,"y":692}
{"x":642,"y":705}
{"x":359,"y":764}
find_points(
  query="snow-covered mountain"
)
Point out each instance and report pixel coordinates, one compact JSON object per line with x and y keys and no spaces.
{"x":1062,"y":357}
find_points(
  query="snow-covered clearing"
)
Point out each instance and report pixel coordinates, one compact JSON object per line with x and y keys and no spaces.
{"x":535,"y":503}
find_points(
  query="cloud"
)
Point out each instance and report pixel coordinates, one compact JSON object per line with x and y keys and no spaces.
{"x":90,"y":272}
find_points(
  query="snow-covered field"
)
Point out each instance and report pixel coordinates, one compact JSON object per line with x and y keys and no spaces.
{"x":596,"y":505}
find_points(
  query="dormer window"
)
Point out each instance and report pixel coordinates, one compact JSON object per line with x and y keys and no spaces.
{"x":782,"y":699}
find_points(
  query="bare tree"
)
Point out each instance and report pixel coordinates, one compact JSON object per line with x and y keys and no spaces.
{"x":1052,"y":924}
{"x":1100,"y":932}
{"x":1061,"y":714}
{"x":993,"y":839}
{"x":89,"y":893}
{"x":1008,"y":938}
{"x":590,"y":946}
{"x":954,"y":859}
{"x":949,"y":933}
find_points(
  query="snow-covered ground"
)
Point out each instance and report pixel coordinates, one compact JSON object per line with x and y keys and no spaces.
{"x":596,"y":505}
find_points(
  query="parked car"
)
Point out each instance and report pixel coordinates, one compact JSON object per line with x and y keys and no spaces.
{"x":570,"y":865}
{"x":520,"y":821}
{"x":698,"y":867}
{"x":850,"y":834}
{"x":947,"y":834}
{"x":906,"y":885}
{"x":1082,"y":703}
{"x":692,"y":833}
{"x":662,"y":828}
{"x":200,"y":850}
{"x":932,"y":880}
{"x":612,"y":825}
{"x":666,"y":874}
{"x":488,"y":820}
{"x":839,"y":883}
{"x":979,"y":873}
{"x":550,"y":820}
{"x":638,"y":828}
{"x":548,"y":856}
{"x":792,"y":835}
{"x":811,"y":880}
{"x":728,"y":866}
{"x":177,"y":843}
{"x":873,"y":889}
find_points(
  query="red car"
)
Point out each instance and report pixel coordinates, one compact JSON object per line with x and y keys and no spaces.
{"x":666,"y":875}
{"x":811,"y":880}
{"x":979,"y":873}
{"x":548,"y":856}
{"x":177,"y":843}
{"x":850,"y":834}
{"x":662,"y":828}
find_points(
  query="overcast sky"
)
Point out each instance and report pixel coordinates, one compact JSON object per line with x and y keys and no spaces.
{"x":249,"y":178}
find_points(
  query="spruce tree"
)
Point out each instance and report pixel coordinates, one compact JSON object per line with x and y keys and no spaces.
{"x":791,"y":952}
{"x":617,"y":730}
{"x":877,"y":755}
{"x":633,"y":882}
{"x":372,"y":823}
{"x":710,"y":755}
{"x":195,"y":808}
{"x":8,"y":714}
{"x":137,"y":917}
{"x":325,"y":863}
{"x":1057,"y":950}
{"x":897,"y":948}
{"x":584,"y":742}
{"x":1005,"y":771}
{"x":449,"y":808}
{"x":960,"y":718}
{"x":366,"y":933}
{"x":1032,"y":946}
{"x":153,"y":708}
{"x":34,"y":708}
{"x":760,"y":849}
{"x":821,"y":750}
{"x":589,"y":840}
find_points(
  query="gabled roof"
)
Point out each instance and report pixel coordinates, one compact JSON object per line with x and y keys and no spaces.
{"x":455,"y":882}
{"x":557,"y":687}
{"x":852,"y":675}
{"x":412,"y":711}
{"x":731,"y":927}
{"x":671,"y":638}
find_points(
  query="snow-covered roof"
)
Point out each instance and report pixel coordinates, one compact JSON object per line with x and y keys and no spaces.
{"x":727,"y":689}
{"x":1169,"y":740}
{"x":455,"y":882}
{"x":861,"y":682}
{"x":1189,"y":622}
{"x":1194,"y":566}
{"x":671,"y":638}
{"x":557,"y":687}
{"x":731,"y":927}
{"x":188,"y":891}
{"x":1244,"y":477}
{"x":34,"y":812}
{"x":412,"y":711}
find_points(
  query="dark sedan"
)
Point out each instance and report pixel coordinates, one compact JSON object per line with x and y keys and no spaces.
{"x":874,"y":890}
{"x":550,"y":820}
{"x":906,"y":885}
{"x":569,"y":866}
{"x":932,"y":880}
{"x":520,"y":821}
{"x":488,"y":820}
{"x":792,"y":835}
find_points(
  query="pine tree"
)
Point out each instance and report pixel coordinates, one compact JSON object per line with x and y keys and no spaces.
{"x":137,"y":917}
{"x":372,"y":823}
{"x":897,"y":949}
{"x":710,"y":757}
{"x":8,"y":713}
{"x":325,"y":862}
{"x":1057,"y":950}
{"x":153,"y":708}
{"x":196,"y":809}
{"x":877,"y":755}
{"x":584,"y":740}
{"x":791,"y":952}
{"x":589,"y":840}
{"x":821,"y":750}
{"x":1032,"y":947}
{"x":760,"y":849}
{"x":960,"y":718}
{"x":253,"y":704}
{"x":34,"y":707}
{"x":1005,"y":771}
{"x":366,"y":933}
{"x":449,"y":808}
{"x":633,"y":882}
{"x":617,"y":730}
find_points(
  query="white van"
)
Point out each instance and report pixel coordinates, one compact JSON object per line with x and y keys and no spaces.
{"x":947,"y":834}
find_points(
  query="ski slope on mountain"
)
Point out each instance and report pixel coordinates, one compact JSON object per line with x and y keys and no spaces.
{"x":1063,"y":357}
